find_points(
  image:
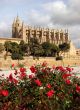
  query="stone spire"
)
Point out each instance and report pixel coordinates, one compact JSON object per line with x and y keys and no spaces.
{"x":14,"y":22}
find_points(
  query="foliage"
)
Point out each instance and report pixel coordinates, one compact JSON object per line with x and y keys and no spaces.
{"x":1,"y":47}
{"x":64,"y":47}
{"x":47,"y":48}
{"x":17,"y":50}
{"x":14,"y":47}
{"x":46,"y":88}
{"x":59,"y":58}
{"x":23,"y":47}
{"x":16,"y":56}
{"x":54,"y":50}
{"x":7,"y":46}
{"x":35,"y":48}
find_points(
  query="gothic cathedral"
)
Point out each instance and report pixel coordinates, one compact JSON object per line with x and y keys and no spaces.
{"x":22,"y":31}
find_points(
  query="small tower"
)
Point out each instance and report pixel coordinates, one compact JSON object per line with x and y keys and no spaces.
{"x":16,"y":28}
{"x":66,"y":35}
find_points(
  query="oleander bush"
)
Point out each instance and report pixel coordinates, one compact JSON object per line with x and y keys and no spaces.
{"x":46,"y":88}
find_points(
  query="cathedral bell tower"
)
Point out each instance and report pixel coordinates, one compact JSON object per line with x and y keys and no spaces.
{"x":16,"y":28}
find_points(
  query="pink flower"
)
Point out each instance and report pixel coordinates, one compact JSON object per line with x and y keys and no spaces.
{"x":4,"y":92}
{"x":33,"y":69}
{"x":50,"y":93}
{"x":68,"y":81}
{"x":38,"y":82}
{"x":48,"y":86}
{"x":53,"y":67}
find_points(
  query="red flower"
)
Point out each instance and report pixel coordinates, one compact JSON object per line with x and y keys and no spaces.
{"x":48,"y":86}
{"x":68,"y":81}
{"x":31,"y":76}
{"x":44,"y":63}
{"x":38,"y":82}
{"x":4,"y":92}
{"x":15,"y":81}
{"x":22,"y":75}
{"x":33,"y":69}
{"x":10,"y":77}
{"x":61,"y":68}
{"x":22,"y":70}
{"x":50,"y":93}
{"x":16,"y":72}
{"x":44,"y":70}
{"x":77,"y":88}
{"x":68,"y":69}
{"x":64,"y":76}
{"x":12,"y":65}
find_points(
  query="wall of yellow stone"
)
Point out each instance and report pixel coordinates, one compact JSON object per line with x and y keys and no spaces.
{"x":17,"y":40}
{"x":28,"y":61}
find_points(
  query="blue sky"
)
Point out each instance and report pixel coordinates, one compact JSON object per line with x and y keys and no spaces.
{"x":58,"y":14}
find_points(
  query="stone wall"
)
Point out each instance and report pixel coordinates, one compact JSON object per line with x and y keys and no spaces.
{"x":28,"y":61}
{"x":3,"y":40}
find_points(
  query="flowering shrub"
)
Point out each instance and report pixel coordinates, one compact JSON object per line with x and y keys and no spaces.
{"x":55,"y":88}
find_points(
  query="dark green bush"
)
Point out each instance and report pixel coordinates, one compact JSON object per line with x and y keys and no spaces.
{"x":59,"y":58}
{"x":16,"y":56}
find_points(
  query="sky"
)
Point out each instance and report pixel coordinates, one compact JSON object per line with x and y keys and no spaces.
{"x":56,"y":14}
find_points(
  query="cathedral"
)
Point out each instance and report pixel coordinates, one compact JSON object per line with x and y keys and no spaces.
{"x":25,"y":32}
{"x":20,"y":31}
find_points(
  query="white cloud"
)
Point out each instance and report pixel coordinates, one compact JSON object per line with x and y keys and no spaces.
{"x":37,"y":18}
{"x":5,"y":30}
{"x":56,"y":14}
{"x":61,"y":13}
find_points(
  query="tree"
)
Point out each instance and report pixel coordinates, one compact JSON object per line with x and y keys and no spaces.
{"x":7,"y":46}
{"x":54,"y":50}
{"x":47,"y":48}
{"x":64,"y":47}
{"x":38,"y":51}
{"x":17,"y":56}
{"x":17,"y":53}
{"x":14,"y":47}
{"x":34,"y":45}
{"x":23,"y":47}
{"x":1,"y":47}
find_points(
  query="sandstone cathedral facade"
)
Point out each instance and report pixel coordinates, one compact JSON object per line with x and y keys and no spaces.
{"x":19,"y":30}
